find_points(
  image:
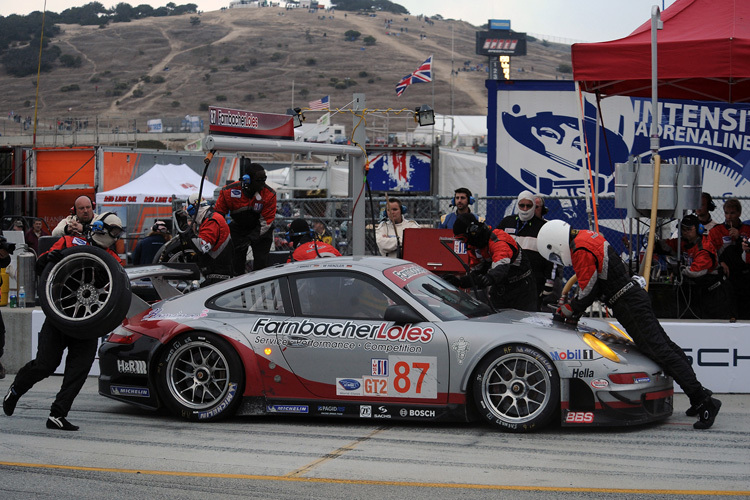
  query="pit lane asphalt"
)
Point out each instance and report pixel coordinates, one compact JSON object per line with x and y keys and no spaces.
{"x":122,"y":452}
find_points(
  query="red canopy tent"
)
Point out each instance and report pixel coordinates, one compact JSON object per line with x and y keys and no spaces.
{"x":703,"y":54}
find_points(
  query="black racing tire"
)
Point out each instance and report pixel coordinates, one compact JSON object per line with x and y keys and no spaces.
{"x":200,"y":377}
{"x":516,"y":388}
{"x":172,"y":251}
{"x":86,"y":294}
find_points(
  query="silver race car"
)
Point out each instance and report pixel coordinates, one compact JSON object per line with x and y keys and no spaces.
{"x":371,"y":338}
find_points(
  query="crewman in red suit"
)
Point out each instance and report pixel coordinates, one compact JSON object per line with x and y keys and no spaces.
{"x":306,"y":245}
{"x":603,"y":275}
{"x":496,"y":261}
{"x":104,"y":231}
{"x":214,"y":242}
{"x":250,"y":205}
{"x":705,"y":293}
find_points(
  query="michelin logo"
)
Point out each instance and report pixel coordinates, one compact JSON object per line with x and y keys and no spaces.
{"x":138,"y":392}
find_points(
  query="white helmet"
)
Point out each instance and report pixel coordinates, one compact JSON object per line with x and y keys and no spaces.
{"x":105,"y":229}
{"x":553,"y":242}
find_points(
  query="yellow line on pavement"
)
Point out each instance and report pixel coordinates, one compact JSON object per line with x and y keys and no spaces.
{"x":408,"y":484}
{"x":335,"y":454}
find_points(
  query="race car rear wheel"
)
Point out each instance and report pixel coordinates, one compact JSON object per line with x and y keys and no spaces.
{"x":200,"y":377}
{"x":516,"y":388}
{"x":86,"y":294}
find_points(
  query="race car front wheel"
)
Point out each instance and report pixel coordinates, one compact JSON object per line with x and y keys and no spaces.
{"x":516,"y":388}
{"x":200,"y":377}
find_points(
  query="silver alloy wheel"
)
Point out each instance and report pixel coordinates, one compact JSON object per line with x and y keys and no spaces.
{"x":516,"y":388}
{"x":79,"y":287}
{"x":198,"y":375}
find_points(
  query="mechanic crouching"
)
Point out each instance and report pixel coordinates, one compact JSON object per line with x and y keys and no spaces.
{"x":603,"y":275}
{"x":497,"y":262}
{"x":306,"y":244}
{"x":104,"y":231}
{"x":213,"y":243}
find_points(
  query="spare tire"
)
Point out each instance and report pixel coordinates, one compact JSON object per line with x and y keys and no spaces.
{"x":86,"y":294}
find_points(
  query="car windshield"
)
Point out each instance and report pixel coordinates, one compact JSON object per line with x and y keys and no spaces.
{"x":446,"y":301}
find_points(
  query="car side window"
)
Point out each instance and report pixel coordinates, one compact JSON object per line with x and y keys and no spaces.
{"x":263,"y":297}
{"x":340,"y":295}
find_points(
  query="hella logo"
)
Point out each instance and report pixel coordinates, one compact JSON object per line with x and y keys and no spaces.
{"x":349,"y":384}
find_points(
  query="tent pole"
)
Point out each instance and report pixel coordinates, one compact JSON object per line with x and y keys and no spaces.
{"x":584,"y":156}
{"x":656,"y":24}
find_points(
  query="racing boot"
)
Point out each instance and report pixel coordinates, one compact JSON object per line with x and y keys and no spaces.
{"x":696,"y":407}
{"x":60,"y":423}
{"x":10,"y":400}
{"x":707,"y":413}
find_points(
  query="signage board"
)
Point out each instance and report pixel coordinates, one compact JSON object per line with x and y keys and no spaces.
{"x":227,"y":121}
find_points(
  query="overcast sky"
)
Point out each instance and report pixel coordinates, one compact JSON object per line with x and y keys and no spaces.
{"x":577,"y":20}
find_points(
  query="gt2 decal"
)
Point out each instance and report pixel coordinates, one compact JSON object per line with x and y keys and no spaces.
{"x":345,"y":330}
{"x":375,"y":386}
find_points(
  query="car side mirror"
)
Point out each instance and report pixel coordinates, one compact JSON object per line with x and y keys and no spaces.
{"x":401,"y":315}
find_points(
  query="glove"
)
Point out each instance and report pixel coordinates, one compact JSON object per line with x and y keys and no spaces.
{"x":566,"y":315}
{"x":52,"y":256}
{"x":483,"y":281}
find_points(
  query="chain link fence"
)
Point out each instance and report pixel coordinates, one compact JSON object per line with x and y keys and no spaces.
{"x":330,"y":217}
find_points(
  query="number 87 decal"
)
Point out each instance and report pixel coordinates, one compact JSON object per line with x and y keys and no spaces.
{"x":413,"y":376}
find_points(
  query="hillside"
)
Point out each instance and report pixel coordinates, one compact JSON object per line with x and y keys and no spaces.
{"x":262,"y":59}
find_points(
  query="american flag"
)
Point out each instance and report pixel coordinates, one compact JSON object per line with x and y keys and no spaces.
{"x":319,"y":104}
{"x":423,"y":74}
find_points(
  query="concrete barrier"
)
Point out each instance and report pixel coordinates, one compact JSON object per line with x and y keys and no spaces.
{"x":18,"y":338}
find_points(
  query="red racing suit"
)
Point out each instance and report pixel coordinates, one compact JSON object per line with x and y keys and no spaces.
{"x":732,"y":260}
{"x":251,"y":222}
{"x":313,"y":250}
{"x":72,"y":241}
{"x":720,"y":239}
{"x":603,"y":275}
{"x":503,"y":261}
{"x":215,"y":249}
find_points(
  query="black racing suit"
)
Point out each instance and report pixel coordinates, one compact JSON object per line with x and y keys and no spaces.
{"x":603,"y":275}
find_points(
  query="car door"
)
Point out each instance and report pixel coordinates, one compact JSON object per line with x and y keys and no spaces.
{"x":340,"y":347}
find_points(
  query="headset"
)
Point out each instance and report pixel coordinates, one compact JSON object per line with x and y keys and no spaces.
{"x":289,"y":236}
{"x":93,"y":204}
{"x":701,"y":229}
{"x":710,"y":205}
{"x":464,"y":191}
{"x":99,"y":226}
{"x":544,"y":207}
{"x":159,"y":224}
{"x":474,"y":228}
{"x":384,"y":210}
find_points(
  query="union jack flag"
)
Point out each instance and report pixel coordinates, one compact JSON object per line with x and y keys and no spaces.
{"x":423,"y":74}
{"x":322,"y":103}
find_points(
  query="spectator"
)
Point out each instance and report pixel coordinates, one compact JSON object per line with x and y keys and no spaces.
{"x":496,"y":261}
{"x":32,"y":235}
{"x":53,"y":342}
{"x":603,"y":275}
{"x":305,"y":244}
{"x":148,"y":247}
{"x":389,"y":235}
{"x":524,"y":228}
{"x":704,"y":212}
{"x":540,"y":209}
{"x":462,"y":200}
{"x":251,"y":204}
{"x":18,"y":225}
{"x":728,"y":233}
{"x":704,"y":292}
{"x":322,"y":232}
{"x":81,"y":216}
{"x":214,"y":243}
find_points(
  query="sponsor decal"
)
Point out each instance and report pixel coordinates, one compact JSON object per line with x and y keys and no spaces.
{"x":407,"y":273}
{"x":344,"y":330}
{"x":136,"y":367}
{"x":157,"y":314}
{"x":461,"y":346}
{"x":348,"y":387}
{"x":641,"y":380}
{"x":382,"y":412}
{"x":79,"y":241}
{"x":579,"y":417}
{"x":365,"y":411}
{"x":379,"y":367}
{"x":599,"y":383}
{"x":375,"y":386}
{"x":138,"y":392}
{"x":422,"y":413}
{"x":287,"y":408}
{"x":403,"y":412}
{"x":331,"y":410}
{"x":582,"y":373}
{"x":235,"y":193}
{"x":576,"y":354}
{"x":202,"y":415}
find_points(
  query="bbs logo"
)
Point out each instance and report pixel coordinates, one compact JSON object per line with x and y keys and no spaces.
{"x":579,"y":417}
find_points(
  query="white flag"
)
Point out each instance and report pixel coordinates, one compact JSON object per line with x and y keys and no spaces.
{"x":324,"y":120}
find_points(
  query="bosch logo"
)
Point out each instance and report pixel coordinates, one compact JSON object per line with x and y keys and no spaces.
{"x":422,"y":413}
{"x":350,"y":384}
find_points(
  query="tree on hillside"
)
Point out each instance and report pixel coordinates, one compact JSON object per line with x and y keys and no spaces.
{"x":369,"y":5}
{"x":90,"y":14}
{"x":24,"y":61}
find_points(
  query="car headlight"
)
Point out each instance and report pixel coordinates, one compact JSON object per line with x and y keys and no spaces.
{"x":600,"y":347}
{"x":621,"y":332}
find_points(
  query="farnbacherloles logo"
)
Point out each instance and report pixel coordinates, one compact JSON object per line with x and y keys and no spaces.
{"x":347,"y":330}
